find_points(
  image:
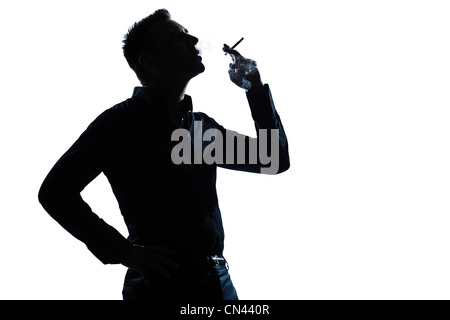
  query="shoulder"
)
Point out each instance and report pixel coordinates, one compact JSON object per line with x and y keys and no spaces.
{"x":111,"y":119}
{"x":121,"y":109}
{"x":117,"y":113}
{"x":193,"y":118}
{"x":207,"y":121}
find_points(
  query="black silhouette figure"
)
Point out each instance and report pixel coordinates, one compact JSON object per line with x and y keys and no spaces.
{"x":176,"y":238}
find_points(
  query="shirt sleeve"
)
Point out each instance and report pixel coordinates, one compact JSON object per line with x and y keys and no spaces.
{"x":268,"y":153}
{"x":60,"y":194}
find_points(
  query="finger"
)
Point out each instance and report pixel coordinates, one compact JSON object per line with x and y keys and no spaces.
{"x":144,"y":273}
{"x":161,"y":249}
{"x":163,"y":260}
{"x":156,"y":267}
{"x":233,"y":52}
{"x":150,"y":257}
{"x":227,"y":49}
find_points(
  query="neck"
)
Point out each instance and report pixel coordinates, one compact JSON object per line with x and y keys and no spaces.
{"x":173,"y":89}
{"x":175,"y":94}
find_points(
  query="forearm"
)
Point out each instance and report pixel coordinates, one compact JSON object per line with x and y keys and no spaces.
{"x":266,"y":118}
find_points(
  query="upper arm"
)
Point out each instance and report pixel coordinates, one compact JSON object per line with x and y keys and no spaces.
{"x":80,"y":164}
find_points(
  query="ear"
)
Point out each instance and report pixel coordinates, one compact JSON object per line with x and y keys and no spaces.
{"x":148,"y":65}
{"x":145,"y":60}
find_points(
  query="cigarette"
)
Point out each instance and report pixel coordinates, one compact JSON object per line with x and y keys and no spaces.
{"x":236,"y":44}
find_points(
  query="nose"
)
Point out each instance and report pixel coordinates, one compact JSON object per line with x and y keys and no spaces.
{"x":192,"y":40}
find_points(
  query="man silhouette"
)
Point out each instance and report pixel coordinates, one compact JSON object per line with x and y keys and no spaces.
{"x":175,"y":243}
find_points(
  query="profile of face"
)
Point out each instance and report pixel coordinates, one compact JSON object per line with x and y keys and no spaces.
{"x":176,"y":56}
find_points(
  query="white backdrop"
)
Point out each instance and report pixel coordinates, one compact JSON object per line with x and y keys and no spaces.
{"x":362,"y":88}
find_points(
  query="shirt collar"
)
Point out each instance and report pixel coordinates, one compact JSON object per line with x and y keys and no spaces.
{"x":144,"y":93}
{"x":148,"y":95}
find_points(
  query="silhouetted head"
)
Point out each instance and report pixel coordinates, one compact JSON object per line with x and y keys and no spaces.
{"x":160,"y":50}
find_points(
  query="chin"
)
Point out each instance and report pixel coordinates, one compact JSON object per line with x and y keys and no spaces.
{"x":200,"y":68}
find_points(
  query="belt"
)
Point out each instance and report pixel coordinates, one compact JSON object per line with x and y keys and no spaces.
{"x":201,"y":262}
{"x":217,"y":262}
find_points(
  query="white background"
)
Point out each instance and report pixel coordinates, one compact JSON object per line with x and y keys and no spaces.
{"x":362,"y":88}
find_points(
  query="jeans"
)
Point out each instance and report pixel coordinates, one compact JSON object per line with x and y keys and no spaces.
{"x":205,"y":284}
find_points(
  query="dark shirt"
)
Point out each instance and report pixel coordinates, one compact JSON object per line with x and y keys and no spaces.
{"x":162,"y":203}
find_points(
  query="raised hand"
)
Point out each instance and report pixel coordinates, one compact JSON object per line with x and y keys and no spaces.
{"x":243,"y":72}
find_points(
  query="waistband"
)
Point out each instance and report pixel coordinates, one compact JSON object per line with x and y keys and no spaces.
{"x":217,"y":262}
{"x":202,"y":262}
